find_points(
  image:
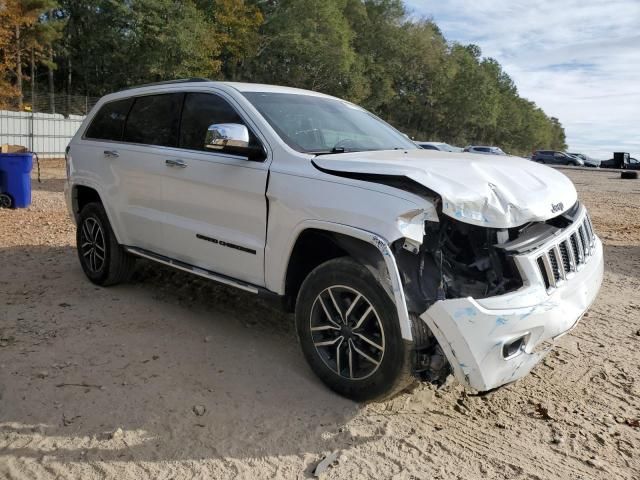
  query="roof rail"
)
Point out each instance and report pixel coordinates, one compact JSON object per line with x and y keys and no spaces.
{"x":169,"y":82}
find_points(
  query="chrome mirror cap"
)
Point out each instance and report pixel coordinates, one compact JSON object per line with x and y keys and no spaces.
{"x":224,"y":135}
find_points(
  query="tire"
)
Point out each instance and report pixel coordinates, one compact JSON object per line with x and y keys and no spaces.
{"x":362,"y":379}
{"x":95,"y":239}
{"x":5,"y":201}
{"x":629,"y":175}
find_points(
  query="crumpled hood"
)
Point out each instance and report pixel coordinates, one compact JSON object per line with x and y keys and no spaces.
{"x":486,"y":190}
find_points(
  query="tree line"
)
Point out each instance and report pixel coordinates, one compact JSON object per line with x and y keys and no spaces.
{"x":368,"y":51}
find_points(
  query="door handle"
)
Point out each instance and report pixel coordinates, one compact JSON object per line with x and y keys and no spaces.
{"x":111,"y":153}
{"x":175,"y":163}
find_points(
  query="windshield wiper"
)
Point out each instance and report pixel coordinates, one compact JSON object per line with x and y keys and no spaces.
{"x":333,"y":150}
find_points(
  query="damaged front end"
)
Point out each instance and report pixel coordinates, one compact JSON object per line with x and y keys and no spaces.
{"x":493,"y":267}
{"x":488,"y":295}
{"x":456,"y":260}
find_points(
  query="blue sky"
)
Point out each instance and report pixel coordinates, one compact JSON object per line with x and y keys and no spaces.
{"x":577,"y":59}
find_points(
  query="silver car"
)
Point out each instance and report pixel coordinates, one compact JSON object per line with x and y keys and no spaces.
{"x":487,"y":150}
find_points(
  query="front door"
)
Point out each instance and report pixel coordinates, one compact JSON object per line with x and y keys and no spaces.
{"x":215,"y":203}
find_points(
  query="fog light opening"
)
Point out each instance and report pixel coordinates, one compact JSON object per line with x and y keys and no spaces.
{"x":513,"y":348}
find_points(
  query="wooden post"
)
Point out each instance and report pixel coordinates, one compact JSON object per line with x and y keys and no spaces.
{"x":52,"y":99}
{"x":19,"y":67}
{"x":33,"y":80}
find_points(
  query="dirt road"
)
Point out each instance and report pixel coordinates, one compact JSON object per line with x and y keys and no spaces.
{"x":174,"y":377}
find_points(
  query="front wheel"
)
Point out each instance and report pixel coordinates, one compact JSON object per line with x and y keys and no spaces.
{"x":349,"y":332}
{"x":103,"y":260}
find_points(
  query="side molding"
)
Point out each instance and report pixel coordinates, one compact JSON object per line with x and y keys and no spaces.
{"x":192,"y":269}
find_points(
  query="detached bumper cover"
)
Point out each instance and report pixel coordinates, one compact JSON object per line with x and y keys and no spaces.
{"x":473,"y":333}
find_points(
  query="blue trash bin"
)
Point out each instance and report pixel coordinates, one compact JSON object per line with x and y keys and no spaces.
{"x":15,"y":177}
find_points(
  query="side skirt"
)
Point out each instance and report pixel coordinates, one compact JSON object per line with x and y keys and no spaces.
{"x":216,"y":277}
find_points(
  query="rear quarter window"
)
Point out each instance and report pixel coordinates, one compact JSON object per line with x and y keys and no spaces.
{"x":108,"y":123}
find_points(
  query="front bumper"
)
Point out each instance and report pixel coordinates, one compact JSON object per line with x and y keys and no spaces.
{"x":474,"y":333}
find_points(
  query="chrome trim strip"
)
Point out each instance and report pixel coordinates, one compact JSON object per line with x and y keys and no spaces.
{"x":581,"y":256}
{"x":585,"y":240}
{"x":556,"y":251}
{"x":573,"y":264}
{"x":549,"y":269}
{"x":195,"y":270}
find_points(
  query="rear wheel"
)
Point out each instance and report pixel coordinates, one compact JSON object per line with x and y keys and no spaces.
{"x":349,"y":332}
{"x":103,"y":260}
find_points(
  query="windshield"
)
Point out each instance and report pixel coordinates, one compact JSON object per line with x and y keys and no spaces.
{"x":319,"y":125}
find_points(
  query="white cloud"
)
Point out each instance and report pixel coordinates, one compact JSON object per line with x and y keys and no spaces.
{"x":577,"y":59}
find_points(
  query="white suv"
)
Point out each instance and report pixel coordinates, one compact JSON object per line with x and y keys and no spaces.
{"x":400,"y":263}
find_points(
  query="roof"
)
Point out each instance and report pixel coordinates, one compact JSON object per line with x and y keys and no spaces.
{"x":239,"y":86}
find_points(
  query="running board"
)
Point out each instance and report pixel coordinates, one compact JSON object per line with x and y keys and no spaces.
{"x":191,"y":269}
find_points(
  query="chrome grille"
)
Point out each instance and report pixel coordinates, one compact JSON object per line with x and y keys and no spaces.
{"x":560,"y":260}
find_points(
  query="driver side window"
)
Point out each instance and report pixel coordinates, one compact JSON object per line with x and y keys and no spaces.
{"x":201,"y":110}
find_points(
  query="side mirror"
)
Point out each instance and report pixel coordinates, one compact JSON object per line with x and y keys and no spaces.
{"x":232,"y":138}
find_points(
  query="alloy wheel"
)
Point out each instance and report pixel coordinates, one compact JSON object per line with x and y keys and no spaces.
{"x":347,"y":332}
{"x":92,"y":244}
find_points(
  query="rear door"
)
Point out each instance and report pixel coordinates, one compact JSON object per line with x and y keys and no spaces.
{"x":138,"y":167}
{"x":214,"y":203}
{"x":127,"y":178}
{"x":560,"y":159}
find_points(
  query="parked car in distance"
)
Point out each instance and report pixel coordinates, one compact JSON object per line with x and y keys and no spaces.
{"x":629,"y":163}
{"x":621,"y":160}
{"x":487,"y":150}
{"x":396,"y":265}
{"x":441,"y":146}
{"x":588,"y":161}
{"x":552,"y":157}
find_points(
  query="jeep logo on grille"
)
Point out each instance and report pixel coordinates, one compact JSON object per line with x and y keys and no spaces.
{"x":557,"y":207}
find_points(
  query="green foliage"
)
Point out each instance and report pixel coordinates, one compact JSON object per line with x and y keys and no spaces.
{"x":114,"y":44}
{"x":307,"y":44}
{"x":367,"y":51}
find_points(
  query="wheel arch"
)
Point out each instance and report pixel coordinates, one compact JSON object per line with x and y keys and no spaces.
{"x":81,"y":195}
{"x":325,"y":241}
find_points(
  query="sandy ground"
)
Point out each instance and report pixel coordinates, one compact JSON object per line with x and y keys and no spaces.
{"x":173,"y":377}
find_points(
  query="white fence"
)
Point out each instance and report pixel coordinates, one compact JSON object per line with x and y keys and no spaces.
{"x":46,"y":134}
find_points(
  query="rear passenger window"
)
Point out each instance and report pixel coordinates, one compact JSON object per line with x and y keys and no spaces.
{"x":109,"y":121}
{"x":154,"y":120}
{"x":201,"y":110}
